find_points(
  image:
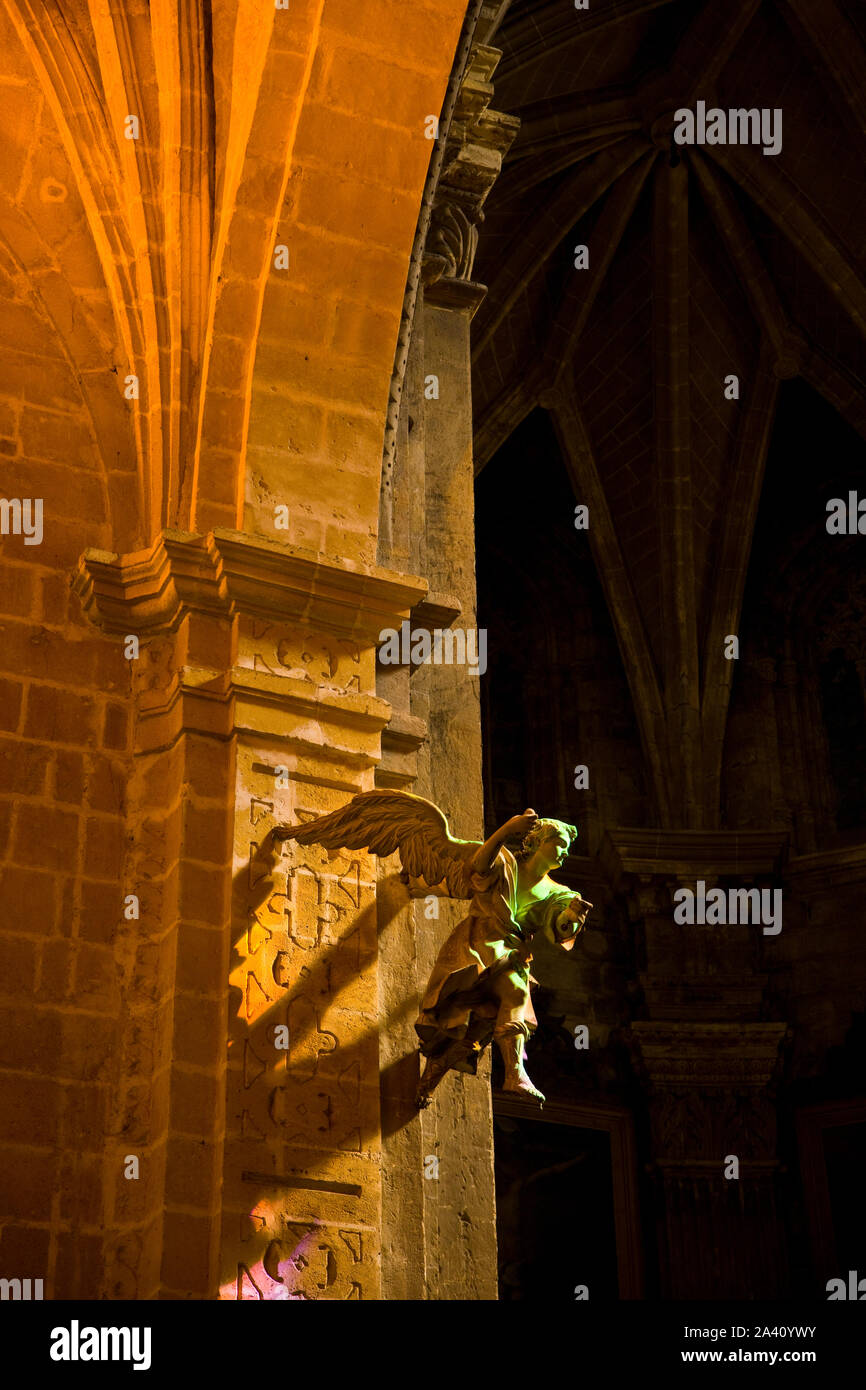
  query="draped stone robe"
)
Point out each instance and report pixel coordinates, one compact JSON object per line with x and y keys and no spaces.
{"x":460,"y":1010}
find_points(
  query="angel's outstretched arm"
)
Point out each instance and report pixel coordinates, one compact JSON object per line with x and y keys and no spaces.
{"x":518,"y":825}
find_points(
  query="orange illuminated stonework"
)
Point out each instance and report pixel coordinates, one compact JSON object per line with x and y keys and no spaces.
{"x":209,"y":265}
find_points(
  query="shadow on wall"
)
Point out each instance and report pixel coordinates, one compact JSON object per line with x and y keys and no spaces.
{"x":313,"y":1098}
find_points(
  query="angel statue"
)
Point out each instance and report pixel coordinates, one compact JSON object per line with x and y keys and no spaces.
{"x":479,"y":988}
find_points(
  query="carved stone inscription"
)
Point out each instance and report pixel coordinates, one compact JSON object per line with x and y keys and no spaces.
{"x":322,"y":660}
{"x":301,"y":1185}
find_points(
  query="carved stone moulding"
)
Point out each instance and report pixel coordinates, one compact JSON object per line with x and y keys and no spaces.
{"x":194,"y":597}
{"x":401,"y":741}
{"x":708,"y":1168}
{"x":827,"y":870}
{"x":479,"y":138}
{"x":683,"y":856}
{"x":450,"y":293}
{"x":710,"y":1089}
{"x":718,"y":996}
{"x":707,"y":1055}
{"x":475,"y":146}
{"x":310,"y":723}
{"x":491,"y":16}
{"x":225,"y":573}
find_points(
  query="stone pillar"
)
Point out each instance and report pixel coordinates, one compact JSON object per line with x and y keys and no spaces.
{"x":438,"y":1166}
{"x":172,"y":950}
{"x":438,"y":1184}
{"x":457,"y":1129}
{"x":250,"y":1079}
{"x":708,"y":1062}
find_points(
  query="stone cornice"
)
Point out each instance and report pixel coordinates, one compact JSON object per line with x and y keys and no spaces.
{"x":708,"y":1054}
{"x":228,"y":573}
{"x":827,"y":869}
{"x":691,"y":854}
{"x":364,"y":713}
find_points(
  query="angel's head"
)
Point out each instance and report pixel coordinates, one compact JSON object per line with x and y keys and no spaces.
{"x":551,"y":840}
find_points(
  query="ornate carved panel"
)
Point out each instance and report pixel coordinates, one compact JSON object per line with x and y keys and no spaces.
{"x":302,"y":1146}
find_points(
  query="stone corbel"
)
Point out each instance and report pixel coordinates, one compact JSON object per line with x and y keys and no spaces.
{"x":401,"y":741}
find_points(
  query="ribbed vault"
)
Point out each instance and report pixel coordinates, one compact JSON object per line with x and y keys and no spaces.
{"x":157,"y":154}
{"x":704,"y":263}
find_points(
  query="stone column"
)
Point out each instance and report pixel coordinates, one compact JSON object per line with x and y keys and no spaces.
{"x":708,"y":1061}
{"x":438,"y":1184}
{"x":459,"y":1210}
{"x":250,"y":1079}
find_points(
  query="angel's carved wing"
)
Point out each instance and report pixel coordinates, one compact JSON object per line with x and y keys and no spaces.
{"x":387,"y":821}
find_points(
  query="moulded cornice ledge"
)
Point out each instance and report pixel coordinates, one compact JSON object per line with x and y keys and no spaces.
{"x":673,"y":853}
{"x":829,"y":869}
{"x":708,"y":1054}
{"x":230,"y":572}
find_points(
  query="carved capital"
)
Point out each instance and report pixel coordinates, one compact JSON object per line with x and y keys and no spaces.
{"x":692,"y":970}
{"x":475,"y":146}
{"x":704,"y":1056}
{"x":710,"y":1087}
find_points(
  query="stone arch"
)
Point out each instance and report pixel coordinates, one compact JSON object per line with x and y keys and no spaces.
{"x":257,"y":127}
{"x":92,"y":382}
{"x":327,"y":335}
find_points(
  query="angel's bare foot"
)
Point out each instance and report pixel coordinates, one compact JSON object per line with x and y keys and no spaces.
{"x":522,"y":1085}
{"x":511,"y":1045}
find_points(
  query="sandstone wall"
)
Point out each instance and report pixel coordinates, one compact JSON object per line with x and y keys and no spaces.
{"x":165,"y":375}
